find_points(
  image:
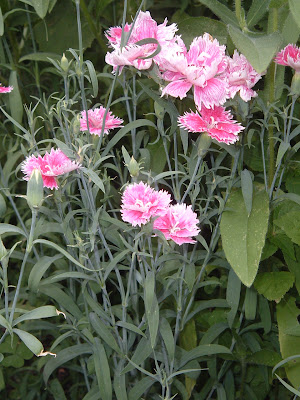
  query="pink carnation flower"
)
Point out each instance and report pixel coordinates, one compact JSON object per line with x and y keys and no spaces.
{"x":178,"y":224}
{"x":136,"y":55}
{"x":95,"y":118}
{"x":140,"y":202}
{"x":241,"y":77}
{"x":217,"y":122}
{"x":51,"y":165}
{"x":289,"y":56}
{"x":202,"y":68}
{"x":4,"y":89}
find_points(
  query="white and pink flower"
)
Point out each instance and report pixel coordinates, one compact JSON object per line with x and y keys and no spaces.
{"x":95,"y":121}
{"x":5,"y":89}
{"x":241,"y":77}
{"x":52,"y":165}
{"x":178,"y":224}
{"x":217,"y":122}
{"x":136,"y":55}
{"x":289,"y":56}
{"x":140,"y":202}
{"x":201,"y":68}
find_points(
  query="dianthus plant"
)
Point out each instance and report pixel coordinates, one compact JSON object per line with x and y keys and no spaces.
{"x":149,"y":203}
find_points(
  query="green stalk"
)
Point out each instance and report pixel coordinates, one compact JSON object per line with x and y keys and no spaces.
{"x":27,"y":252}
{"x":270,"y":83}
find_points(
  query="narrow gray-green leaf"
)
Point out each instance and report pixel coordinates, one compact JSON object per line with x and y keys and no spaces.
{"x":233,"y":295}
{"x":40,"y":56}
{"x":15,"y":100}
{"x":93,"y":77}
{"x":7,"y":228}
{"x":201,"y":351}
{"x":65,"y":356}
{"x":256,"y":12}
{"x":37,"y":313}
{"x":30,"y":341}
{"x":221,"y":11}
{"x":167,"y":335}
{"x":283,"y":148}
{"x":130,"y":327}
{"x":94,"y":178}
{"x":41,"y":7}
{"x":1,"y":23}
{"x":39,"y":270}
{"x":104,"y":332}
{"x":102,"y":371}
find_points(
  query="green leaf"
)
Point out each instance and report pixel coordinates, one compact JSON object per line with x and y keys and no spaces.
{"x":1,"y":23}
{"x":283,"y":148}
{"x":57,"y":390}
{"x":56,"y":38}
{"x":142,"y":352}
{"x":38,"y":271}
{"x":243,"y":236}
{"x":5,"y":324}
{"x":247,"y":189}
{"x":167,"y":335}
{"x":40,"y":56}
{"x":65,"y":356}
{"x":287,"y":314}
{"x":130,"y":327}
{"x":233,"y":295}
{"x":289,"y":222}
{"x":63,"y":252}
{"x":30,"y":341}
{"x":123,"y":131}
{"x":264,"y":357}
{"x":112,"y":264}
{"x":104,"y":332}
{"x":102,"y":371}
{"x":15,"y":100}
{"x":192,"y":27}
{"x":221,"y":11}
{"x":94,"y":178}
{"x":63,"y":299}
{"x":7,"y":228}
{"x":93,"y":77}
{"x":295,"y":9}
{"x":140,"y":388}
{"x":120,"y":382}
{"x":41,"y":7}
{"x":274,"y":285}
{"x":250,"y":304}
{"x":259,"y":50}
{"x":201,"y":351}
{"x":37,"y":313}
{"x":256,"y":12}
{"x":151,"y":306}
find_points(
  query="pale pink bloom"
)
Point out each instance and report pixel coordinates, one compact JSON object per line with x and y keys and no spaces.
{"x":202,"y":68}
{"x":217,"y":122}
{"x":51,"y":165}
{"x":136,"y":55}
{"x":241,"y":77}
{"x":289,"y":56}
{"x":5,"y":89}
{"x":178,"y":224}
{"x":140,"y":202}
{"x":95,"y":118}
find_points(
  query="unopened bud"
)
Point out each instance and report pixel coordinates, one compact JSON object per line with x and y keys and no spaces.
{"x":133,"y":167}
{"x":295,"y":87}
{"x":204,"y":144}
{"x":35,"y":191}
{"x":64,"y":63}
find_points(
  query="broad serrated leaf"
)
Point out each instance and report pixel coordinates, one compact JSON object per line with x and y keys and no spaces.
{"x":243,"y":236}
{"x":259,"y":50}
{"x":274,"y":285}
{"x":287,"y":314}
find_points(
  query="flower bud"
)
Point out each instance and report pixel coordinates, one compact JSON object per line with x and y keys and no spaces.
{"x":133,"y":167}
{"x":64,"y":63}
{"x":35,"y":189}
{"x":204,"y":144}
{"x":295,"y":87}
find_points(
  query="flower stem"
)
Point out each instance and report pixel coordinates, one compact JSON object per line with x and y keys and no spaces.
{"x":192,"y":181}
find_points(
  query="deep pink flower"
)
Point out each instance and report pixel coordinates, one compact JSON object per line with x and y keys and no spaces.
{"x":95,"y":118}
{"x":202,"y":68}
{"x":51,"y":165}
{"x":140,"y":202}
{"x":178,"y":224}
{"x":136,"y":55}
{"x":241,"y":77}
{"x":289,"y":56}
{"x":217,"y":122}
{"x":4,"y":89}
